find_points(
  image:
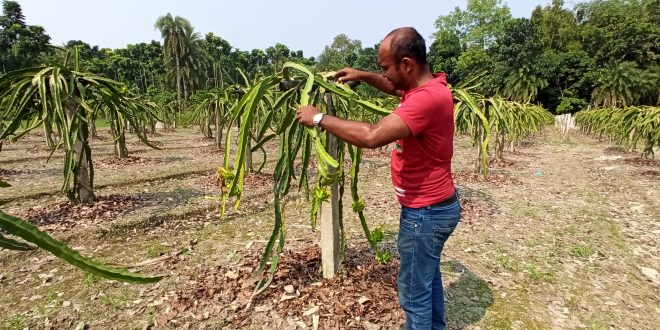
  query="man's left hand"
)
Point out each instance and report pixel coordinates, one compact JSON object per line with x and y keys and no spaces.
{"x":305,"y":115}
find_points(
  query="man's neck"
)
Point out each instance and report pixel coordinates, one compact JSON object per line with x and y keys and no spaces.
{"x":423,"y":78}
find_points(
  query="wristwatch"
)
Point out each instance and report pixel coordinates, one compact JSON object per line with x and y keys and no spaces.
{"x":317,"y":119}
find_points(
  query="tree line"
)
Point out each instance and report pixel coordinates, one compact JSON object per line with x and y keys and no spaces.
{"x":600,"y":52}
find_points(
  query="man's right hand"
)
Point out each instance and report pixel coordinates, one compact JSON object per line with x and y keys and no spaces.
{"x":374,"y":79}
{"x":348,"y":74}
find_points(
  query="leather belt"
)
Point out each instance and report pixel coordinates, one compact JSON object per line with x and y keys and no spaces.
{"x":447,"y":201}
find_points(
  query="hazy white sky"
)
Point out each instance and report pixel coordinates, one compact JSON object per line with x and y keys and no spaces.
{"x":301,"y":25}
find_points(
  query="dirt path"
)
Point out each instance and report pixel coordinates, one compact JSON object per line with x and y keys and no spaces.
{"x":566,"y":249}
{"x":563,"y":237}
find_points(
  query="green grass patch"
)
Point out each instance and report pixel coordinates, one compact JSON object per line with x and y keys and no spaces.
{"x":533,"y":241}
{"x":507,"y":313}
{"x":16,"y":322}
{"x":157,"y":250}
{"x":537,"y":274}
{"x":534,"y":272}
{"x":91,"y":279}
{"x":597,"y":325}
{"x":525,"y":211}
{"x":102,"y":123}
{"x":52,"y":298}
{"x":116,"y":300}
{"x":582,"y":250}
{"x":451,"y":266}
{"x":506,"y":262}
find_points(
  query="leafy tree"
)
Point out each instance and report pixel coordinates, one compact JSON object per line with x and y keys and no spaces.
{"x":257,"y":63}
{"x":476,"y":66}
{"x":343,"y":52}
{"x":367,"y":59}
{"x":480,"y":24}
{"x":519,"y":45}
{"x":21,"y":45}
{"x":86,"y":52}
{"x":517,"y":52}
{"x":276,"y":56}
{"x":620,"y":30}
{"x":571,"y":105}
{"x":218,"y":48}
{"x":650,"y":80}
{"x":570,"y":74}
{"x":558,"y":26}
{"x":141,"y":65}
{"x":220,"y":53}
{"x":195,"y":62}
{"x":468,"y":60}
{"x":444,"y":54}
{"x":299,"y":57}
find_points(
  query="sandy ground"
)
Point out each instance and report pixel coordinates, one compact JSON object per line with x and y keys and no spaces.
{"x":563,"y":235}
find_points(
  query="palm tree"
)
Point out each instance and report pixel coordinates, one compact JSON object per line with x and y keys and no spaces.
{"x":522,"y":85}
{"x":616,"y":85}
{"x":650,"y":80}
{"x":194,"y":63}
{"x":174,"y":31}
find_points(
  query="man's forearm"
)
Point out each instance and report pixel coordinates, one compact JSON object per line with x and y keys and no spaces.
{"x":361,"y":134}
{"x":379,"y":82}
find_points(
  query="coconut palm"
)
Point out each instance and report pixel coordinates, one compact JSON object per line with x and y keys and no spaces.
{"x":522,"y":85}
{"x":650,"y":80}
{"x":616,"y":85}
{"x":194,"y":64}
{"x":174,"y":31}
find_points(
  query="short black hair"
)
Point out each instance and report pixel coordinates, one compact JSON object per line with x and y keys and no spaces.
{"x":407,"y":42}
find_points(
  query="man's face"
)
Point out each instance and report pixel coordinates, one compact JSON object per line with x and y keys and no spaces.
{"x":389,"y":66}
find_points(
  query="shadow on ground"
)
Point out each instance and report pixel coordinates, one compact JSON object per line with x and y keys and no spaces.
{"x":467,"y":298}
{"x":477,"y":195}
{"x":173,"y":197}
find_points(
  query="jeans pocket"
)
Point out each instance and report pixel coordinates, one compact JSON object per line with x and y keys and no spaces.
{"x":441,"y":234}
{"x":443,"y":224}
{"x":409,"y":220}
{"x":407,"y":224}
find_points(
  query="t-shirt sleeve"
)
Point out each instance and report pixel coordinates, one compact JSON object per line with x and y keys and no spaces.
{"x":417,"y":112}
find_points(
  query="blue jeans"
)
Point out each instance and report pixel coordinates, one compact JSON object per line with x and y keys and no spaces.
{"x":422,"y":235}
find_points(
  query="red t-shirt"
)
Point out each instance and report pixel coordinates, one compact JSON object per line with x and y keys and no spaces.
{"x":421,"y":162}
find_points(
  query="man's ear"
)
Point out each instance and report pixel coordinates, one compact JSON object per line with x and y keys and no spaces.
{"x":407,"y":64}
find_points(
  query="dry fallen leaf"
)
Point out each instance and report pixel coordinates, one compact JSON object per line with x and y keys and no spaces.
{"x":363,"y":300}
{"x":286,"y":297}
{"x":311,"y":311}
{"x":315,"y":321}
{"x":231,"y":275}
{"x":263,"y":308}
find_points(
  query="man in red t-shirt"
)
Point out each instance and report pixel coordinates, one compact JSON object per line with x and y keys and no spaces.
{"x":423,"y":128}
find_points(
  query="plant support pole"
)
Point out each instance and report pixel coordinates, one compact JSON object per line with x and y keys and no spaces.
{"x":330,"y":212}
